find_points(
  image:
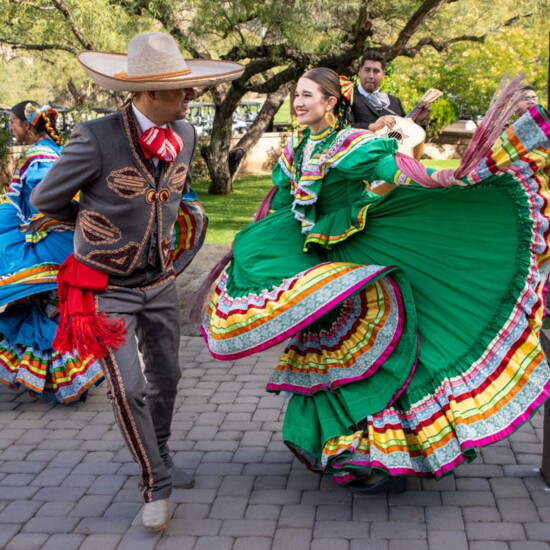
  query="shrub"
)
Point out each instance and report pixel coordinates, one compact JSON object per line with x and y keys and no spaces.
{"x":444,"y":112}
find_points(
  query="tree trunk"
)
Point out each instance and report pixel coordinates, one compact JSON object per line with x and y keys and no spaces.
{"x":216,"y":157}
{"x":216,"y":154}
{"x":77,"y":97}
{"x":222,"y":161}
{"x":265,"y":116}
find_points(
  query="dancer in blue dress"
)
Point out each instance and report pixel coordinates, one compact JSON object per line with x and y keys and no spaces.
{"x":31,"y":249}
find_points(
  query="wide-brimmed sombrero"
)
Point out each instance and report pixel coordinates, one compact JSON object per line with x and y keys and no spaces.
{"x":154,"y":62}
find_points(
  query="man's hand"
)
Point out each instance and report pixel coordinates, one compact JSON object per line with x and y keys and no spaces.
{"x":422,"y":118}
{"x":383,"y":122}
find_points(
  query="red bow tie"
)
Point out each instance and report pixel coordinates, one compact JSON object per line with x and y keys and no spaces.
{"x":162,"y":143}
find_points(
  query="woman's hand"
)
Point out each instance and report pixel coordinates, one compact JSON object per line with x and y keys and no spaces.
{"x":445,"y":178}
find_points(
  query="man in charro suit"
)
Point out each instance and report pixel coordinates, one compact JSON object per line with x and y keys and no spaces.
{"x":117,"y":292}
{"x":372,"y":109}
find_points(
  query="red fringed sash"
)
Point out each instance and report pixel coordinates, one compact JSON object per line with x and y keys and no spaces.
{"x":81,"y":326}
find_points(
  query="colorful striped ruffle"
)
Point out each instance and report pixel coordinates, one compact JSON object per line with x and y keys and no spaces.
{"x":337,"y":227}
{"x":189,"y":231}
{"x":359,"y":338}
{"x":42,"y":225}
{"x":55,"y":377}
{"x":41,"y":273}
{"x":432,"y":437}
{"x":239,"y":326}
{"x":28,"y":281}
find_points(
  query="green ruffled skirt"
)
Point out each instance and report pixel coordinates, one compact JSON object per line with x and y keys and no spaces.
{"x":414,"y":341}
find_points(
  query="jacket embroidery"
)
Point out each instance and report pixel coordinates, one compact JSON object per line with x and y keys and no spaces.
{"x":127,"y":182}
{"x":166,"y":252}
{"x":97,"y":229}
{"x":120,"y":260}
{"x":132,"y":131}
{"x":126,"y":230}
{"x":177,"y":182}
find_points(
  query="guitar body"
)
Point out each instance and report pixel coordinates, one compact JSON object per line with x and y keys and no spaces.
{"x":408,"y":134}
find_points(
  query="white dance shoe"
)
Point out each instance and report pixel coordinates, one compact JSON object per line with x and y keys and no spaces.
{"x":156,"y":515}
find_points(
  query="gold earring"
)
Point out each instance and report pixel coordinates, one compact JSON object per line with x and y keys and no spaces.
{"x":330,"y":118}
{"x":32,"y":134}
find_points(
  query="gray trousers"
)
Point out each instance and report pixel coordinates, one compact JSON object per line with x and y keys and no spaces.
{"x":143,"y":400}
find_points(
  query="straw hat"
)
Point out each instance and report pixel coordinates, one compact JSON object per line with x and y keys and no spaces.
{"x":154,"y":62}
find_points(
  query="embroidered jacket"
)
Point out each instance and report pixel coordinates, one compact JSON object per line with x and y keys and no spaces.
{"x":363,"y":114}
{"x":123,"y":211}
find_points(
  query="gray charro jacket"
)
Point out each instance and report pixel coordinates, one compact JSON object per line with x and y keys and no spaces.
{"x":122,"y":210}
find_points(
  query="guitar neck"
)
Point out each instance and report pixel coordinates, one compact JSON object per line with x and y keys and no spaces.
{"x":429,"y":97}
{"x":415,"y":111}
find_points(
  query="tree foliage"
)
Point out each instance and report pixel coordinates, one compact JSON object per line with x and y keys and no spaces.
{"x":469,"y":74}
{"x":276,"y":40}
{"x":39,"y":41}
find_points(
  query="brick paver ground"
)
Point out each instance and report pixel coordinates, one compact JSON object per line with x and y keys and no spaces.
{"x":67,"y":481}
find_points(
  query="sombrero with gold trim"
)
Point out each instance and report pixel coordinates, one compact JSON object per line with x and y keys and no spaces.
{"x":154,"y":62}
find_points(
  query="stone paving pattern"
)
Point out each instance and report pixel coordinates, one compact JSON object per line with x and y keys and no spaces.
{"x":67,"y":481}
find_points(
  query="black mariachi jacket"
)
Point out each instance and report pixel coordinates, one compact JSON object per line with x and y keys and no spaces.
{"x":121,"y":206}
{"x":362,"y":113}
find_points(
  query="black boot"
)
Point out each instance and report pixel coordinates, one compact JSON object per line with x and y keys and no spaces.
{"x":397,"y":484}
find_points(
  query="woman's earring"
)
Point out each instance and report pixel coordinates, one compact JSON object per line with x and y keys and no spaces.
{"x":330,"y":118}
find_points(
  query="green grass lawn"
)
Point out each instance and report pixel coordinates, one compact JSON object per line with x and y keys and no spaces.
{"x":283,"y":114}
{"x":442,"y":164}
{"x":228,"y":214}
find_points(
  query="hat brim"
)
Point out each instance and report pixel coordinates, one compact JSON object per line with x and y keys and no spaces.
{"x":102,"y":67}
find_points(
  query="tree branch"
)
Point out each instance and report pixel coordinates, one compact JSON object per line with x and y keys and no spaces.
{"x":38,"y":47}
{"x":271,"y":51}
{"x":269,"y":108}
{"x":425,"y":10}
{"x":218,"y":93}
{"x":76,"y":95}
{"x":233,"y":26}
{"x":441,"y":45}
{"x":62,"y":7}
{"x":275,"y":82}
{"x":251,"y":69}
{"x":189,"y":42}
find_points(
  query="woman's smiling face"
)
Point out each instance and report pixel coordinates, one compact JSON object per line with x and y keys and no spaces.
{"x":311,"y":105}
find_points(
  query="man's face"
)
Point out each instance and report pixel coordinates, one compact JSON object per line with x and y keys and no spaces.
{"x":371,"y":75}
{"x":170,"y":105}
{"x":528,"y":99}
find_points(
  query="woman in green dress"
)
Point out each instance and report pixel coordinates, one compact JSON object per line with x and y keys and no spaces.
{"x":413,"y":318}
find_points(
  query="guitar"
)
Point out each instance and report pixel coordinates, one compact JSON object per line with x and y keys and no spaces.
{"x":410,"y":135}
